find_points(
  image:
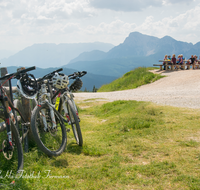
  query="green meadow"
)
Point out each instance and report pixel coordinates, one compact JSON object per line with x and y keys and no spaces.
{"x":127,"y":145}
{"x":133,"y":79}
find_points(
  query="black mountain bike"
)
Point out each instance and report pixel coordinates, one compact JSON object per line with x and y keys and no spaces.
{"x":11,"y":151}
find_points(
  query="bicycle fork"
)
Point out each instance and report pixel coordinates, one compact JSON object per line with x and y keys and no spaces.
{"x":66,"y":112}
{"x":7,"y":145}
{"x":7,"y":115}
{"x":52,"y":115}
{"x":75,"y":108}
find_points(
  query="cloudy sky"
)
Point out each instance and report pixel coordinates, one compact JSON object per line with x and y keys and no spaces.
{"x":26,"y":22}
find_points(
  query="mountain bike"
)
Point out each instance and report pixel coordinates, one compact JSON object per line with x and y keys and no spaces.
{"x":11,"y":153}
{"x":65,"y":104}
{"x":47,"y":124}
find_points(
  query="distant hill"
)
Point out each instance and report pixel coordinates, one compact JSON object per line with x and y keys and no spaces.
{"x":137,"y":50}
{"x":6,"y":53}
{"x":137,"y":44}
{"x":51,"y":55}
{"x":89,"y":80}
{"x":94,"y":55}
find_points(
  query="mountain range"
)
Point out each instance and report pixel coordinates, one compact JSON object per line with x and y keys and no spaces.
{"x":51,"y":55}
{"x":136,"y":50}
{"x":103,"y":62}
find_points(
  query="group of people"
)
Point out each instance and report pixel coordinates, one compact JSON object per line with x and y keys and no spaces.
{"x":193,"y":60}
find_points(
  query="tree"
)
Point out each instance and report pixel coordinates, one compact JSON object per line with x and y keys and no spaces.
{"x":94,"y":89}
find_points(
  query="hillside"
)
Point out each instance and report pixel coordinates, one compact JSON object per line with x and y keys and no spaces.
{"x":130,"y":80}
{"x":94,"y":55}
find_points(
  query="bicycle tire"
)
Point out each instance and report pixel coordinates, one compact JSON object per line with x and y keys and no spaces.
{"x":75,"y":123}
{"x":52,"y":144}
{"x":32,"y":104}
{"x":23,"y":130}
{"x":17,"y":157}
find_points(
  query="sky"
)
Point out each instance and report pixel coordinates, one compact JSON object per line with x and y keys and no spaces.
{"x":27,"y":22}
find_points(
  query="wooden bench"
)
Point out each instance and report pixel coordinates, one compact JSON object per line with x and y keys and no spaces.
{"x":183,"y":66}
{"x":159,"y":66}
{"x":177,"y":66}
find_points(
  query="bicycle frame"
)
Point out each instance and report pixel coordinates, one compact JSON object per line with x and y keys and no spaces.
{"x":6,"y":102}
{"x":7,"y":126}
{"x":64,"y":95}
{"x":45,"y":97}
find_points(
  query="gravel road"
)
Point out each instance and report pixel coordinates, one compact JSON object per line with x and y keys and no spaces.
{"x":178,"y":88}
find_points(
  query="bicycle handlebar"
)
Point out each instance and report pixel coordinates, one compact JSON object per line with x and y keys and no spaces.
{"x":49,"y":76}
{"x":77,"y":74}
{"x":17,"y":73}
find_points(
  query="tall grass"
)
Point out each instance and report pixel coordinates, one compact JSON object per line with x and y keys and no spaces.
{"x":130,"y":80}
{"x":127,"y":145}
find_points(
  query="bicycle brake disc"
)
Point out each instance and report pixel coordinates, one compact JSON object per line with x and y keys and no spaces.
{"x":52,"y":131}
{"x":8,"y":153}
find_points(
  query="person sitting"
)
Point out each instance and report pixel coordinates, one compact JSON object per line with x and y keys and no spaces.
{"x":196,"y":61}
{"x":173,"y":60}
{"x":192,"y":61}
{"x":178,"y":62}
{"x":181,"y":61}
{"x":169,"y":60}
{"x":165,"y":62}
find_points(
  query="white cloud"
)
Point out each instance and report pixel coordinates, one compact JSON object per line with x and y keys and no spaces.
{"x":125,"y":5}
{"x":134,"y":5}
{"x":34,"y":21}
{"x":178,"y":1}
{"x":48,"y":9}
{"x":117,"y":27}
{"x":179,"y":27}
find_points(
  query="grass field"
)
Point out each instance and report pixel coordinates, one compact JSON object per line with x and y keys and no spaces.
{"x":131,"y":80}
{"x":127,"y":145}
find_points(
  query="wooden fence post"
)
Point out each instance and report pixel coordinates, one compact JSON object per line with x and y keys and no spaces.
{"x":26,"y":104}
{"x":3,"y":73}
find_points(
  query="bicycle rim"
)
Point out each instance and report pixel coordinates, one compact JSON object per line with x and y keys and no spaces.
{"x":75,"y":123}
{"x":11,"y":162}
{"x":51,"y":141}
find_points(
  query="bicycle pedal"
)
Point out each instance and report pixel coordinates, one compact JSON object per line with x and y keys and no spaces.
{"x":68,"y":130}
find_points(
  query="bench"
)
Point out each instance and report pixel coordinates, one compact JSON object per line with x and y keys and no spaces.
{"x":179,"y":66}
{"x":167,"y":65}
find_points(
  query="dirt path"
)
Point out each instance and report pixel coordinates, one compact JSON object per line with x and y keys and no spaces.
{"x":178,"y":88}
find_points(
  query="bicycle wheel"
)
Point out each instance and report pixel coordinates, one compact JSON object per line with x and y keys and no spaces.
{"x":11,"y":161}
{"x":74,"y":123}
{"x":22,"y":129}
{"x":51,"y":141}
{"x":33,"y":104}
